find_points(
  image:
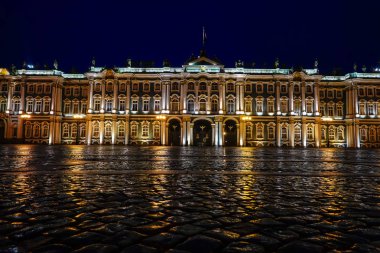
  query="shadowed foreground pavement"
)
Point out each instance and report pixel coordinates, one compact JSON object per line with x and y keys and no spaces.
{"x":173,"y":199}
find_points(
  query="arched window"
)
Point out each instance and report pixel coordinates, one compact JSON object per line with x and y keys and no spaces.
{"x":65,"y":130}
{"x":202,"y":105}
{"x":174,"y":104}
{"x":82,"y":130}
{"x":96,"y":104}
{"x":108,"y":131}
{"x":109,"y":105}
{"x":332,"y":133}
{"x":36,"y":130}
{"x":230,"y":105}
{"x":133,"y":131}
{"x":28,"y":130}
{"x":297,"y":133}
{"x":190,"y":105}
{"x":45,"y":130}
{"x":156,"y":131}
{"x":95,"y":130}
{"x":248,"y":133}
{"x":121,"y":130}
{"x":363,"y":134}
{"x":309,"y":106}
{"x":259,"y":131}
{"x":145,"y":131}
{"x":284,"y":133}
{"x":340,"y":133}
{"x":372,"y":134}
{"x":214,"y":105}
{"x":310,"y":132}
{"x":74,"y":131}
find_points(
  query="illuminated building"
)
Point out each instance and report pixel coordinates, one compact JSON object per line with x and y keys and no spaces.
{"x":201,"y":103}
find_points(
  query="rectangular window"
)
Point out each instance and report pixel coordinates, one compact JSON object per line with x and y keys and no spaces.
{"x":76,"y":108}
{"x":146,"y":105}
{"x":46,"y":106}
{"x":39,"y":89}
{"x":108,"y":105}
{"x":259,"y":106}
{"x":97,"y":105}
{"x":38,"y":106}
{"x":84,"y":107}
{"x":135,"y":87}
{"x":370,"y":92}
{"x":67,"y":92}
{"x":134,"y":105}
{"x":310,"y":135}
{"x":331,"y":110}
{"x":122,"y":105}
{"x":330,"y":94}
{"x":157,"y":87}
{"x":247,"y":88}
{"x":321,"y":94}
{"x":284,"y":133}
{"x":47,"y":88}
{"x":339,"y":93}
{"x":270,"y":106}
{"x":259,"y":132}
{"x":361,"y":92}
{"x":339,"y":110}
{"x":67,"y":108}
{"x":145,"y":131}
{"x":248,"y":106}
{"x":270,"y":88}
{"x":76,"y":92}
{"x":259,"y":88}
{"x":29,"y":106}
{"x":271,"y":133}
{"x":156,"y":132}
{"x":157,"y":105}
{"x":283,"y":89}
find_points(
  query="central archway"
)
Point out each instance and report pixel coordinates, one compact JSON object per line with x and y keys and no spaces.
{"x":230,"y":133}
{"x":174,"y":133}
{"x":202,"y":133}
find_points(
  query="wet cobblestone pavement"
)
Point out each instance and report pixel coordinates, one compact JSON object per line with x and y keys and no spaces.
{"x":183,"y":199}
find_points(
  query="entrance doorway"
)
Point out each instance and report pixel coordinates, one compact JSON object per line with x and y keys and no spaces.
{"x":230,"y":133}
{"x":174,"y":132}
{"x":202,"y":133}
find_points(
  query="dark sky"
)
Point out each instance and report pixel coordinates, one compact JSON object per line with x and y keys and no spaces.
{"x":337,"y":32}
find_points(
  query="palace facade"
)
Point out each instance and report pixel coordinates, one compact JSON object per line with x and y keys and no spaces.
{"x":201,"y":103}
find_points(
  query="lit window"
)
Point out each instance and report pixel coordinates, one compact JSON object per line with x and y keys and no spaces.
{"x":146,"y":105}
{"x":297,"y":133}
{"x":157,"y":105}
{"x":145,"y":131}
{"x":108,"y":131}
{"x":156,"y":132}
{"x":134,"y":105}
{"x":202,"y":105}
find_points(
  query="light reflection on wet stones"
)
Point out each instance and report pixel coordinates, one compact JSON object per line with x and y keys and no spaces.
{"x":168,"y":199}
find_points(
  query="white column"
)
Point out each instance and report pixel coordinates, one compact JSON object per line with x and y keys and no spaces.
{"x":208,"y":105}
{"x":53,"y":98}
{"x":114,"y":131}
{"x":213,"y":135}
{"x":278,"y":95}
{"x":101,"y":134}
{"x":291,"y":104}
{"x":126,"y":140}
{"x":304,"y":132}
{"x":355,"y":100}
{"x":103,"y":97}
{"x":188,"y":131}
{"x":316,"y":99}
{"x":10,"y":96}
{"x":291,"y":133}
{"x":51,"y":131}
{"x":183,"y":132}
{"x":242,"y":98}
{"x":317,"y":135}
{"x":303,"y":98}
{"x":22,"y":105}
{"x":221,"y":133}
{"x":216,"y":133}
{"x":88,"y":131}
{"x":128,"y":102}
{"x":164,"y":96}
{"x":237,"y":102}
{"x":115,"y":98}
{"x":163,"y":132}
{"x":168,"y":96}
{"x":278,"y":133}
{"x":191,"y":134}
{"x":90,"y":97}
{"x":221,"y":98}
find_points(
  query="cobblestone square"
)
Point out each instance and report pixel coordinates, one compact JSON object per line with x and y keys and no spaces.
{"x":188,"y":199}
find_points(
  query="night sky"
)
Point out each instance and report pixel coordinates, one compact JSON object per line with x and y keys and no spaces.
{"x":337,"y":32}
